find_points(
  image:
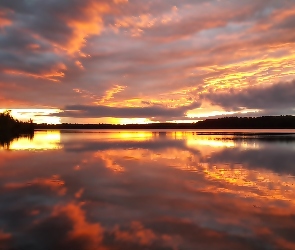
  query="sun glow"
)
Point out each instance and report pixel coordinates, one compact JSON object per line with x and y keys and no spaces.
{"x":43,"y":140}
{"x":196,"y":143}
{"x":134,"y":136}
{"x":129,"y":120}
{"x":37,"y":115}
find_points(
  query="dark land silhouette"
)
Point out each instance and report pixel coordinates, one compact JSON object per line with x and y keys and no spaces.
{"x":11,"y":128}
{"x":263,"y":122}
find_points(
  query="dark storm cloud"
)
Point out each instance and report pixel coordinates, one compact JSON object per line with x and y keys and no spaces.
{"x":278,"y":96}
{"x":84,"y":111}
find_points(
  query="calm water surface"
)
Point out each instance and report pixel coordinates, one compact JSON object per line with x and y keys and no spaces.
{"x":125,"y":190}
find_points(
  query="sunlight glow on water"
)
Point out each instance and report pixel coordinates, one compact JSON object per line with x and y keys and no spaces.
{"x":42,"y":141}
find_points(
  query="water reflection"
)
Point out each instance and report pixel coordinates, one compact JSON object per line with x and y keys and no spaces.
{"x":148,"y":190}
{"x":6,"y":140}
{"x":42,"y":140}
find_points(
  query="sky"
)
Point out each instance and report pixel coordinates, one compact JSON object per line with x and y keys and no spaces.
{"x":140,"y":61}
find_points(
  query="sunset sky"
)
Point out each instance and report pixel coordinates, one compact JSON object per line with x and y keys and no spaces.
{"x":139,"y":61}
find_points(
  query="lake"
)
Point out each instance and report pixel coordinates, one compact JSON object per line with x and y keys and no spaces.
{"x":157,"y":190}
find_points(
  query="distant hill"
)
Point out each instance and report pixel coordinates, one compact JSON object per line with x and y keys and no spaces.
{"x":264,"y":122}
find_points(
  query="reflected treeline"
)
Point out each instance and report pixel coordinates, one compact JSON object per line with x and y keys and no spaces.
{"x":6,"y":140}
{"x":265,"y":138}
{"x":11,"y":129}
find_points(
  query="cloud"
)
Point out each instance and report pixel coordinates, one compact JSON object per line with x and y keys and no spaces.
{"x":269,"y":158}
{"x":41,"y":38}
{"x":63,"y":24}
{"x":137,"y":234}
{"x":4,"y":239}
{"x":84,"y":111}
{"x":53,"y":183}
{"x":88,"y":234}
{"x":279,"y":97}
{"x":164,"y":53}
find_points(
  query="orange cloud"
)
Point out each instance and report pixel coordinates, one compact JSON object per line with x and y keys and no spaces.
{"x":4,"y":236}
{"x":90,"y":233}
{"x":275,"y":18}
{"x":137,"y":24}
{"x":5,"y":239}
{"x":106,"y":99}
{"x":54,"y":183}
{"x":111,"y":92}
{"x":120,"y":1}
{"x":136,"y":234}
{"x":33,"y":46}
{"x":53,"y":74}
{"x":91,"y":25}
{"x":3,"y":20}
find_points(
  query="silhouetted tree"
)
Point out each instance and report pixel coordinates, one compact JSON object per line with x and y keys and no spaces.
{"x":11,"y":128}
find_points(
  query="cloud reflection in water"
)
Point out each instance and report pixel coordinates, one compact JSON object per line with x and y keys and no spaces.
{"x":148,"y":190}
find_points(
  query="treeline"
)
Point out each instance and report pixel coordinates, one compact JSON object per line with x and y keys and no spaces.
{"x":11,"y":128}
{"x":264,"y":122}
{"x":114,"y":126}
